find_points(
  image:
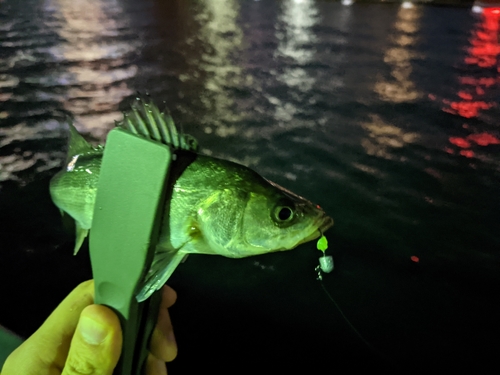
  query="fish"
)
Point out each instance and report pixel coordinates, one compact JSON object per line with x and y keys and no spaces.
{"x":214,"y":206}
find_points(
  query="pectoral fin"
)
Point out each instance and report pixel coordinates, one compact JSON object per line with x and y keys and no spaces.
{"x":162,"y":268}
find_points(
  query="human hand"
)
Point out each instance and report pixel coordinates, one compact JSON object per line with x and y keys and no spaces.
{"x":82,"y":338}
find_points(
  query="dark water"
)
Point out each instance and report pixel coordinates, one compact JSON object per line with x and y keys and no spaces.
{"x":387,"y":117}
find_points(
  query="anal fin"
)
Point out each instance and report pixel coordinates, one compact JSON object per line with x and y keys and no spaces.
{"x":81,"y":234}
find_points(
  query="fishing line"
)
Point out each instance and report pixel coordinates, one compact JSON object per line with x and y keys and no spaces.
{"x":345,"y":317}
{"x":360,"y":336}
{"x":322,"y":245}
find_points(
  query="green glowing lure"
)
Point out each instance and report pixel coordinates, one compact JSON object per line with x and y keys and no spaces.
{"x":322,"y":244}
{"x":325,"y":262}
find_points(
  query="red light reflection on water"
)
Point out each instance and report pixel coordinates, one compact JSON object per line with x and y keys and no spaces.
{"x":484,"y":139}
{"x":467,"y":153}
{"x":485,"y":47}
{"x":467,"y":109}
{"x":484,"y":52}
{"x":481,"y":139}
{"x":459,"y":142}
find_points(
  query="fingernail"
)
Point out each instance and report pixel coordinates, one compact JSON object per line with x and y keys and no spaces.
{"x":92,"y":332}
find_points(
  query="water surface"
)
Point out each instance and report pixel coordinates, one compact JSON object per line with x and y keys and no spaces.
{"x":387,"y":117}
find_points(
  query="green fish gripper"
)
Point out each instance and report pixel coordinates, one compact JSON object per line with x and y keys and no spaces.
{"x":125,"y":227}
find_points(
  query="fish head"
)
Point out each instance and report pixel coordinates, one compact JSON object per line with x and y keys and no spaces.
{"x":259,"y":218}
{"x":278,"y":220}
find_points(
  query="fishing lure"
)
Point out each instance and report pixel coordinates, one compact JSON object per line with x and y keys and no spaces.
{"x":322,"y":244}
{"x":325,"y":262}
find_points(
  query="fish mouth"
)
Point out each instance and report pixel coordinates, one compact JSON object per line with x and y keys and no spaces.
{"x":325,"y":223}
{"x":322,"y":224}
{"x":311,"y":237}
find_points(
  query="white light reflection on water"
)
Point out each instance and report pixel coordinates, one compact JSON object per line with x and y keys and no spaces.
{"x":221,"y":37}
{"x":383,"y":137}
{"x":22,"y":160}
{"x":97,"y":77}
{"x":75,"y":57}
{"x":400,"y":88}
{"x":298,"y":18}
{"x":295,"y":40}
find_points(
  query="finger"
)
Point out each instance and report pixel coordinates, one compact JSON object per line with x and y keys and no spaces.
{"x":155,"y":366}
{"x":169,"y":296}
{"x":162,"y":344}
{"x":46,"y":350}
{"x":97,"y":343}
{"x":163,"y":347}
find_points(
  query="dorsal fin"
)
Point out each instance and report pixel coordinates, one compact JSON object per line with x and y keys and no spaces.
{"x":145,"y":119}
{"x":76,"y":145}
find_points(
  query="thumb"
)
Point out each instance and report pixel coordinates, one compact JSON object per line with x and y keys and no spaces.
{"x":97,"y":343}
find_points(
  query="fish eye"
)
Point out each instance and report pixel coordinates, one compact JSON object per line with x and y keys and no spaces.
{"x":283,"y":213}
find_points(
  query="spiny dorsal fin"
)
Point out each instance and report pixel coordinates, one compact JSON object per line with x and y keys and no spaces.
{"x":76,"y":145}
{"x":145,"y":119}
